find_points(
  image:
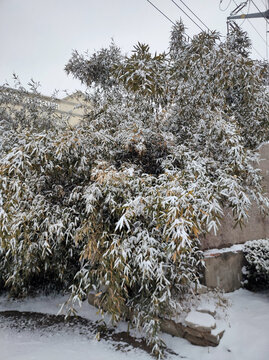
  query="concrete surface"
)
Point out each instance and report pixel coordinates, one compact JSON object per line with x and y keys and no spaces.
{"x":224,"y":270}
{"x":257,"y":226}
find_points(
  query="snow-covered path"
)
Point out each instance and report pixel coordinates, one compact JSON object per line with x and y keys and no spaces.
{"x":246,"y":336}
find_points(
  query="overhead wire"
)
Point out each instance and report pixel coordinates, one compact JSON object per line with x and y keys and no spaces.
{"x":247,"y":14}
{"x":197,"y":17}
{"x":171,"y":21}
{"x":226,"y":7}
{"x":256,"y":32}
{"x":160,"y":11}
{"x":261,"y":56}
{"x":252,"y":25}
{"x":187,"y":15}
{"x":259,"y":11}
{"x":267,"y":32}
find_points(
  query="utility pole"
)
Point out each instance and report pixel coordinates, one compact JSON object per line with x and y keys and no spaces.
{"x":234,"y":15}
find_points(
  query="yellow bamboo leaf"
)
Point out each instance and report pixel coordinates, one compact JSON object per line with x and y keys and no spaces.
{"x":196,"y":231}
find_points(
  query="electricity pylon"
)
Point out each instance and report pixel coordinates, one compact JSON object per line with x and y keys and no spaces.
{"x":262,"y":14}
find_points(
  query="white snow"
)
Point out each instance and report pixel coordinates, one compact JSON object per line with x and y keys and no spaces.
{"x":246,"y":331}
{"x":234,"y":248}
{"x":30,"y":346}
{"x":207,"y":308}
{"x":36,"y":345}
{"x":245,"y":338}
{"x":197,"y":319}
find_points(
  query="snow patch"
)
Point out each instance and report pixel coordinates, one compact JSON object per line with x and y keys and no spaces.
{"x":246,"y":334}
{"x":214,"y":252}
{"x":198,"y":320}
{"x":207,"y":308}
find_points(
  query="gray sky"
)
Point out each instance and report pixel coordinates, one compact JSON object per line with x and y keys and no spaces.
{"x":37,"y":36}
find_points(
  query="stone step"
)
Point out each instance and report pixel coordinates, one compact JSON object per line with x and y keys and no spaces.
{"x":199,"y":327}
{"x":200,"y":321}
{"x":207,"y":309}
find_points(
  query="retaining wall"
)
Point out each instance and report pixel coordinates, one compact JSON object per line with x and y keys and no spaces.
{"x":257,"y":226}
{"x":224,"y":268}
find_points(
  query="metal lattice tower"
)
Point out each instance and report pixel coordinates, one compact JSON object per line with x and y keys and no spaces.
{"x":261,"y":14}
{"x":265,"y":15}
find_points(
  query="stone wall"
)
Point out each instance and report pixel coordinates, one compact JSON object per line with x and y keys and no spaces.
{"x":224,"y":268}
{"x":257,"y":226}
{"x":199,"y":326}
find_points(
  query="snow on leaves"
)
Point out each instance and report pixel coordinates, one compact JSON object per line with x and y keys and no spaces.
{"x":117,"y":204}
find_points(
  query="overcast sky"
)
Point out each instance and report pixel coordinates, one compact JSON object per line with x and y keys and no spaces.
{"x":37,"y":36}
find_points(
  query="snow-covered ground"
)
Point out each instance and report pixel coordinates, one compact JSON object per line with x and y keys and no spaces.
{"x":246,"y":334}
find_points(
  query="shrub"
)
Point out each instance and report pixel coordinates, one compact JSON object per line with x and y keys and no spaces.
{"x":41,"y":181}
{"x":257,"y":268}
{"x":117,"y":204}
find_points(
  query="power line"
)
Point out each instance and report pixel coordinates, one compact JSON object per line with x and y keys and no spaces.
{"x":247,"y":14}
{"x":226,"y":7}
{"x":266,"y":33}
{"x":171,"y":21}
{"x":267,"y":22}
{"x":259,"y":10}
{"x":160,"y":11}
{"x":256,"y":32}
{"x":257,"y":52}
{"x":187,"y":15}
{"x":197,"y":17}
{"x":245,"y":18}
